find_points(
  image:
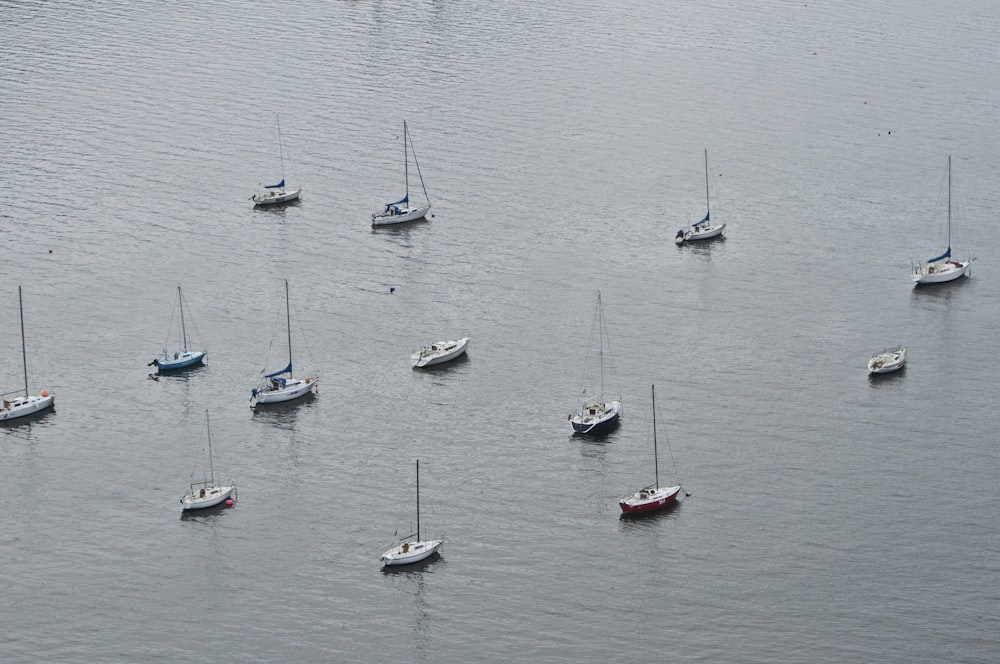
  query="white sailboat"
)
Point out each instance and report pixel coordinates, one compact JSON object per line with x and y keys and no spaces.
{"x":598,"y":412}
{"x":404,"y":210}
{"x":412,"y":549}
{"x":704,"y":229}
{"x":653,"y":497}
{"x":276,"y":388}
{"x":206,"y":492}
{"x":184,"y":357}
{"x":277,"y":193}
{"x":889,"y":360}
{"x":19,"y":406}
{"x":439,"y":352}
{"x":942,"y":268}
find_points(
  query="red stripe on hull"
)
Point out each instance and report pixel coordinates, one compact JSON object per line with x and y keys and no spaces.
{"x":650,"y":506}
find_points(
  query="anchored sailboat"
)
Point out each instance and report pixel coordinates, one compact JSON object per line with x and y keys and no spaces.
{"x":653,"y":497}
{"x":276,"y":193}
{"x":704,"y":229}
{"x":412,"y":549}
{"x":13,"y":407}
{"x":205,"y":492}
{"x":599,"y":412}
{"x":183,"y":358}
{"x":275,"y":387}
{"x":403,"y":210}
{"x":942,"y":268}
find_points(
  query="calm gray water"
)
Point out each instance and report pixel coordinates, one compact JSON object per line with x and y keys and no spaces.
{"x":832,"y":518}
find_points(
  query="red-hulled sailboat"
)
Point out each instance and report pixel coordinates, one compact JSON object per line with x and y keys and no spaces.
{"x":654,"y":497}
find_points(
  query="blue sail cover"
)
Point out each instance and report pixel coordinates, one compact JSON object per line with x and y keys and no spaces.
{"x":946,"y":254}
{"x":275,"y":186}
{"x":286,"y":370}
{"x":703,"y":221}
{"x":404,"y":199}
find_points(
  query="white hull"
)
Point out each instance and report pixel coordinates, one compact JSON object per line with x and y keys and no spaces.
{"x":411,"y":552}
{"x":939,"y":273}
{"x":706,"y":233}
{"x":887,"y":361}
{"x":23,"y":406}
{"x":294,"y":388}
{"x":404,"y":215}
{"x":206,"y":497}
{"x":275,"y":197}
{"x":440,"y":352}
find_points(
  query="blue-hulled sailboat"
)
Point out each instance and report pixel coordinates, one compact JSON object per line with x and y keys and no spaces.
{"x":184,"y":357}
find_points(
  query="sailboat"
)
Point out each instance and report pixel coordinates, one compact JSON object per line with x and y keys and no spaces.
{"x":206,"y":493}
{"x":412,"y":549}
{"x":597,"y":413}
{"x":275,"y":388}
{"x":704,"y":229}
{"x":942,"y":268}
{"x":276,"y":193}
{"x":183,"y":358}
{"x":653,"y":497}
{"x":403,"y":210}
{"x":20,"y":406}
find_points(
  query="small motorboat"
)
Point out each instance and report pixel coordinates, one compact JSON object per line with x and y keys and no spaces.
{"x":889,"y":360}
{"x":439,"y":352}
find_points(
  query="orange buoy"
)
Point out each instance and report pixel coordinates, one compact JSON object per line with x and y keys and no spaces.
{"x":44,"y":393}
{"x":229,"y":502}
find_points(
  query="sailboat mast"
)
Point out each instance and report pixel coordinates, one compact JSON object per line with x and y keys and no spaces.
{"x":949,"y":205}
{"x":184,"y":336}
{"x":600,"y":353}
{"x":211,"y":466}
{"x":418,"y":500}
{"x":656,"y":465}
{"x":24,"y":353}
{"x":708,"y":210}
{"x":281,"y":156}
{"x":288,"y":323}
{"x":406,"y":161}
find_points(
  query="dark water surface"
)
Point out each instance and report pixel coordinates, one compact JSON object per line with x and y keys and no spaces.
{"x":832,"y":518}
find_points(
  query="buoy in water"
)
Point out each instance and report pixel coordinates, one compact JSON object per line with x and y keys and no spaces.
{"x":229,"y":502}
{"x":392,"y":289}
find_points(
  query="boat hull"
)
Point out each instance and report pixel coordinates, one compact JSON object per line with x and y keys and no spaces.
{"x":595,"y":417}
{"x":293,"y":389}
{"x":276,"y":197}
{"x":408,"y":553}
{"x":439,"y":353}
{"x":939,"y":273}
{"x":647,"y":500}
{"x":404,"y":215}
{"x":887,"y":362}
{"x":179,"y":361}
{"x":206,"y":497}
{"x":708,"y":233}
{"x":27,"y":405}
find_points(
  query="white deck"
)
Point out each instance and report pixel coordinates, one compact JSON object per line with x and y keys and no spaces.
{"x":399,"y":215}
{"x":276,"y":196}
{"x":439,"y":352}
{"x":25,"y":405}
{"x":406,"y":553}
